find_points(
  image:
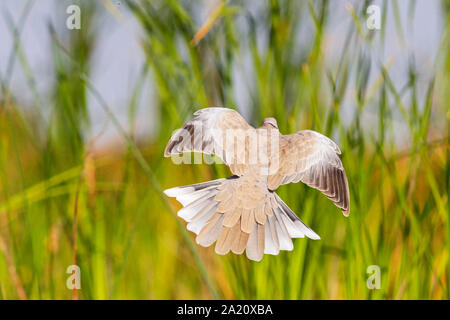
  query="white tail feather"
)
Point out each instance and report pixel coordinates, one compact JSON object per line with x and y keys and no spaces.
{"x":200,"y":208}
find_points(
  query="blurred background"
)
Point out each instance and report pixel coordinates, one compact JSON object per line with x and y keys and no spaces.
{"x":85,"y":115}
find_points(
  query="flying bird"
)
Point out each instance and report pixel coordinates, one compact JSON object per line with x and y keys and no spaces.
{"x":243,"y":212}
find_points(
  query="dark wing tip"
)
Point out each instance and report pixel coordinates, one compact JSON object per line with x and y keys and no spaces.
{"x":346,"y":212}
{"x":346,"y":208}
{"x":178,"y":138}
{"x":169,"y":147}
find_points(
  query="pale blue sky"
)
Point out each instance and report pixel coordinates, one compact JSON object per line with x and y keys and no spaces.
{"x":118,"y":56}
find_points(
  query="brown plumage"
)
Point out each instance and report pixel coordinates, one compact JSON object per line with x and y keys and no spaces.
{"x":243,"y":213}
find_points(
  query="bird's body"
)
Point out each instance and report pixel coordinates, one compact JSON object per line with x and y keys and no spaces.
{"x":243,"y":212}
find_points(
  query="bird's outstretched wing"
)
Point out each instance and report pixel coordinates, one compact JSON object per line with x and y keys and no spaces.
{"x":209,"y":132}
{"x":312,"y":158}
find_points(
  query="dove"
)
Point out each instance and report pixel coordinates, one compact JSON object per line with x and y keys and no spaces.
{"x":243,"y":212}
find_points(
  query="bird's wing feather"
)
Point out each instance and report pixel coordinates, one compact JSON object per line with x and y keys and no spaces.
{"x":312,"y":158}
{"x":209,"y":133}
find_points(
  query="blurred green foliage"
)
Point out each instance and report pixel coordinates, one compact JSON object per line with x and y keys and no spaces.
{"x":129,"y":242}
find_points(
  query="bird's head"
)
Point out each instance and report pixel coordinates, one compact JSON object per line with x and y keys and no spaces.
{"x":270,"y":121}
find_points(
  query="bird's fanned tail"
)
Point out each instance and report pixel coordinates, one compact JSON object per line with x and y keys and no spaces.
{"x":217,"y":213}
